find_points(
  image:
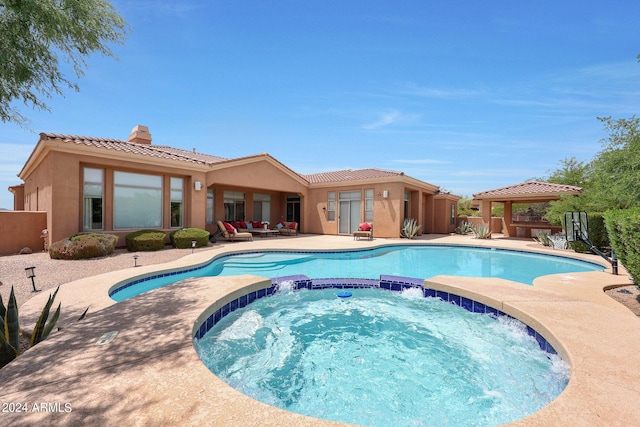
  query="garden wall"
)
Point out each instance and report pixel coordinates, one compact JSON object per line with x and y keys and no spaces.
{"x":20,"y":229}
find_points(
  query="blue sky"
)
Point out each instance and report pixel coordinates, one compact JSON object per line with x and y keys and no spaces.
{"x":466,"y":95}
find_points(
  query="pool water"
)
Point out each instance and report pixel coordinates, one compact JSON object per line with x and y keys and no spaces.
{"x":420,"y":262}
{"x":382,"y":358}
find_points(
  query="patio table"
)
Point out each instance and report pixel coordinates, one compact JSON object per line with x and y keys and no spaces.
{"x":263,"y":232}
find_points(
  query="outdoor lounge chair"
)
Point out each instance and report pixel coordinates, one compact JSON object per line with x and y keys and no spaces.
{"x":289,"y":228}
{"x":364,"y":230}
{"x":232,"y":234}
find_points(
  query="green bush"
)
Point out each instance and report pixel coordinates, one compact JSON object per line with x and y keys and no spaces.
{"x":145,"y":240}
{"x":182,"y":238}
{"x":623,"y":227}
{"x":84,"y":246}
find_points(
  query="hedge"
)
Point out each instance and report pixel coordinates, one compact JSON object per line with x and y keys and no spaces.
{"x":145,"y":240}
{"x":624,"y":233}
{"x":182,"y":238}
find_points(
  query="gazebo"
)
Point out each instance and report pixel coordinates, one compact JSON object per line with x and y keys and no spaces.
{"x":526,"y":192}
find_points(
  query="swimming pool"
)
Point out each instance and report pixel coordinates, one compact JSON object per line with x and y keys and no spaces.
{"x":416,"y":261}
{"x":382,"y":358}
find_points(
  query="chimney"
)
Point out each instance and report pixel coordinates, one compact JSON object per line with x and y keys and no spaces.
{"x":140,"y":135}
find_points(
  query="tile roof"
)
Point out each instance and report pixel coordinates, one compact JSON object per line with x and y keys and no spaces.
{"x":171,"y":153}
{"x":350,"y":175}
{"x":529,"y":188}
{"x":159,"y":151}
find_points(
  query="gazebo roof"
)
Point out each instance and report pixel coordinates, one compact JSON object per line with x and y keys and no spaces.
{"x":531,"y":191}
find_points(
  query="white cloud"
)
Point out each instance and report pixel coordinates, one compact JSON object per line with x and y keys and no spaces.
{"x":385,"y":119}
{"x":430,"y":92}
{"x":391,"y":118}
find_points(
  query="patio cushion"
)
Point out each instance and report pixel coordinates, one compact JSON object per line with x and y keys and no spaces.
{"x":230,"y":228}
{"x":293,"y":225}
{"x":365,"y":226}
{"x":243,"y":224}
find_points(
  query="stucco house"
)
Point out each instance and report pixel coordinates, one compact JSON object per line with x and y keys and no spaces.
{"x":117,"y":186}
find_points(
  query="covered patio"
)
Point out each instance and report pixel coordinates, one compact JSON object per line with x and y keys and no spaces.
{"x":524,"y":193}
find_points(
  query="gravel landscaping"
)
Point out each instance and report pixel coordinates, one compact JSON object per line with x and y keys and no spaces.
{"x":51,"y":273}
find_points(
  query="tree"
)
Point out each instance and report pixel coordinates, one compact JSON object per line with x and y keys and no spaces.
{"x":610,"y":180}
{"x":571,"y":172}
{"x":35,"y":35}
{"x":616,"y":169}
{"x":464,"y":207}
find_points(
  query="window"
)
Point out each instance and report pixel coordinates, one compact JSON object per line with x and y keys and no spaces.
{"x":210,"y":212}
{"x":177,"y":204}
{"x":262,"y":207}
{"x":233,"y":206}
{"x":137,"y":200}
{"x":331,"y":206}
{"x":93,"y":184}
{"x":368,"y":205}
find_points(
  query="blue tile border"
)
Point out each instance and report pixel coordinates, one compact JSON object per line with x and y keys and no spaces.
{"x":392,"y":283}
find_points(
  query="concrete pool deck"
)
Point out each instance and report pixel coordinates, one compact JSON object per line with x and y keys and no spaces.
{"x":150,"y":373}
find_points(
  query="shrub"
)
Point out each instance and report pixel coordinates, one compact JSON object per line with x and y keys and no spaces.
{"x":145,"y":240}
{"x":182,"y":238}
{"x":482,"y":231}
{"x":543,"y":239}
{"x":410,"y":228}
{"x":464,"y":228}
{"x":84,"y":246}
{"x":623,"y":227}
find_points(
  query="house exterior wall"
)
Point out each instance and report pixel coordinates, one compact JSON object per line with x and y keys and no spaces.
{"x":54,"y":174}
{"x":445,"y":213}
{"x":428,"y":214}
{"x":387,"y":212}
{"x":18,"y":197}
{"x":25,"y":229}
{"x":257,"y":175}
{"x":56,"y":186}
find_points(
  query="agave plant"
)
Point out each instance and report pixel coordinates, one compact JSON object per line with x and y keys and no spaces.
{"x":410,"y":228}
{"x":543,"y":239}
{"x":10,"y":327}
{"x":482,"y":231}
{"x":464,"y":228}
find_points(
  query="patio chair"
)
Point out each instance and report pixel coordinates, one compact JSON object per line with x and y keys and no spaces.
{"x":230,"y":233}
{"x":289,"y":229}
{"x":364,"y":230}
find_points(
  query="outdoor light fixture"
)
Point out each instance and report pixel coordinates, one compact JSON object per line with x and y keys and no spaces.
{"x":30,"y":275}
{"x":385,"y":194}
{"x":197,"y":185}
{"x":193,"y":245}
{"x":135,"y":260}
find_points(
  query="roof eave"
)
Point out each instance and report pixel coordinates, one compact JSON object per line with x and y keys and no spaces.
{"x":46,"y":145}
